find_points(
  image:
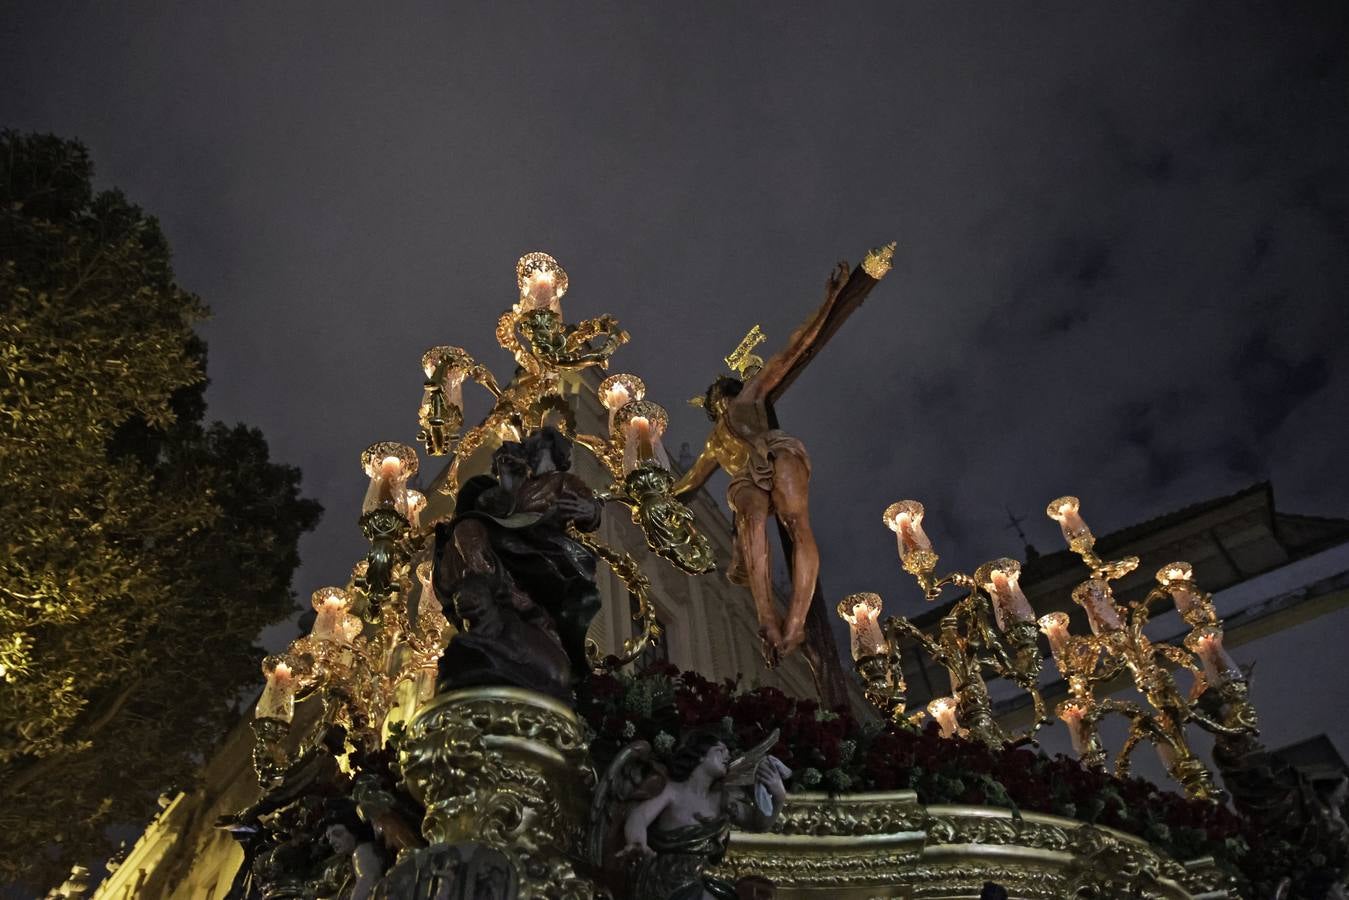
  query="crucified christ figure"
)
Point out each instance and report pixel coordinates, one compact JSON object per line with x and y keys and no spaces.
{"x":770,"y":469}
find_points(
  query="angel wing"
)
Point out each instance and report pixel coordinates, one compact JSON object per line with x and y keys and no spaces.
{"x":743,"y":772}
{"x":630,"y":778}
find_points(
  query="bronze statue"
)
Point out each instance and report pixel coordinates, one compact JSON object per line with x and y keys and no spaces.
{"x":770,"y":469}
{"x":520,"y":589}
{"x":655,"y":829}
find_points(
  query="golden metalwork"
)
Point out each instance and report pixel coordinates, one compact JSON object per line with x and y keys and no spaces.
{"x":380,"y":450}
{"x":540,"y":262}
{"x":1118,"y":646}
{"x":877,"y":262}
{"x":442,"y":413}
{"x":888,"y":845}
{"x":507,"y":768}
{"x":968,"y":645}
{"x":966,"y":641}
{"x":668,"y":525}
{"x":630,"y":573}
{"x":743,"y":358}
{"x":543,"y":346}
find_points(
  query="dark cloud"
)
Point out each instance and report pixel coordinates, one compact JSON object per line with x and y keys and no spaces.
{"x":1122,"y":229}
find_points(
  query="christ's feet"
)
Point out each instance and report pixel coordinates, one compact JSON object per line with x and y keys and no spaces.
{"x":771,"y":636}
{"x":795,"y":637}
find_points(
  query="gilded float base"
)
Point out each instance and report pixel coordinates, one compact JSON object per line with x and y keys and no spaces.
{"x":505,"y":769}
{"x":888,"y":845}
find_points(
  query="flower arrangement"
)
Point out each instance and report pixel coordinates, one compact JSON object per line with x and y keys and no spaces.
{"x":829,"y":750}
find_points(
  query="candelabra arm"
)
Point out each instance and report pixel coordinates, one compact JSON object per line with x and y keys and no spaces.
{"x":610,"y":456}
{"x":1184,"y":660}
{"x":898,"y":624}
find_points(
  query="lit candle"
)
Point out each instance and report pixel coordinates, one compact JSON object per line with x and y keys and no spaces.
{"x":416,"y":503}
{"x":1064,"y":510}
{"x":617,"y":391}
{"x":331,"y":604}
{"x":1001,"y":579}
{"x":540,"y":291}
{"x":389,"y":466}
{"x":390,"y":473}
{"x":1095,"y":597}
{"x":1055,"y":628}
{"x":862,"y":613}
{"x":943,"y":712}
{"x":542,"y":282}
{"x":1206,"y":642}
{"x":1074,"y":714}
{"x":905,"y":519}
{"x":1178,"y":579}
{"x":456,"y":362}
{"x":278,"y":697}
{"x":642,"y":423}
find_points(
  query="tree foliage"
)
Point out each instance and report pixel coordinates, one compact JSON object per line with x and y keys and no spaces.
{"x":142,"y":548}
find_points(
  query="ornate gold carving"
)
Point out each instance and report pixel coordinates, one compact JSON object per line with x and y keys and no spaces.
{"x":507,"y":768}
{"x":877,"y":262}
{"x":852,"y":841}
{"x":743,"y":358}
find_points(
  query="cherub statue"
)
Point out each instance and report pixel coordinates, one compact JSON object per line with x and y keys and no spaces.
{"x":354,"y":866}
{"x":770,"y":469}
{"x":656,"y":830}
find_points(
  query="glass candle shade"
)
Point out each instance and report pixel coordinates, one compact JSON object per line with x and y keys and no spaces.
{"x":1000,"y":579}
{"x":943,"y":712}
{"x":617,"y":391}
{"x":862,"y":613}
{"x":278,"y":697}
{"x":1166,"y":754}
{"x":1095,"y":596}
{"x":416,"y":503}
{"x":1055,"y":628}
{"x":1075,"y":717}
{"x":1206,"y":642}
{"x":452,"y":363}
{"x":428,"y":604}
{"x":1178,"y":579}
{"x":330,"y":604}
{"x":642,"y":423}
{"x":389,"y":465}
{"x":542,"y":282}
{"x":1064,"y":510}
{"x":905,"y":519}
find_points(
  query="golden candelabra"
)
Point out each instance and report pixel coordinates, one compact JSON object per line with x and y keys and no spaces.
{"x":991,"y":631}
{"x":376,"y":641}
{"x":967,"y":643}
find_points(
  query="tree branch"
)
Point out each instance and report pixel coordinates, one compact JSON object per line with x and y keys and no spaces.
{"x":39,"y":768}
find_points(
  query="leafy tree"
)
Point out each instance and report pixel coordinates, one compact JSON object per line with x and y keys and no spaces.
{"x":142,"y":550}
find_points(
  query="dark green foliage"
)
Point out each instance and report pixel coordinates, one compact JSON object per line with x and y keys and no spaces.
{"x":143,"y":549}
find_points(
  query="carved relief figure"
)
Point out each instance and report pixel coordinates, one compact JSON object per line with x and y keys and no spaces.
{"x":657,"y":830}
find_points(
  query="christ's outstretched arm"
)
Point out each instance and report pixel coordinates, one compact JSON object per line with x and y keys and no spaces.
{"x":800,"y":345}
{"x":698,"y":473}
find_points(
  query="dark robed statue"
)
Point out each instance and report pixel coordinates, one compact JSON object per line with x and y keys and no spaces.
{"x":520,"y":589}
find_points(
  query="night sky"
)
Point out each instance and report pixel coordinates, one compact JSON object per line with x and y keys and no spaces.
{"x":1122,"y":232}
